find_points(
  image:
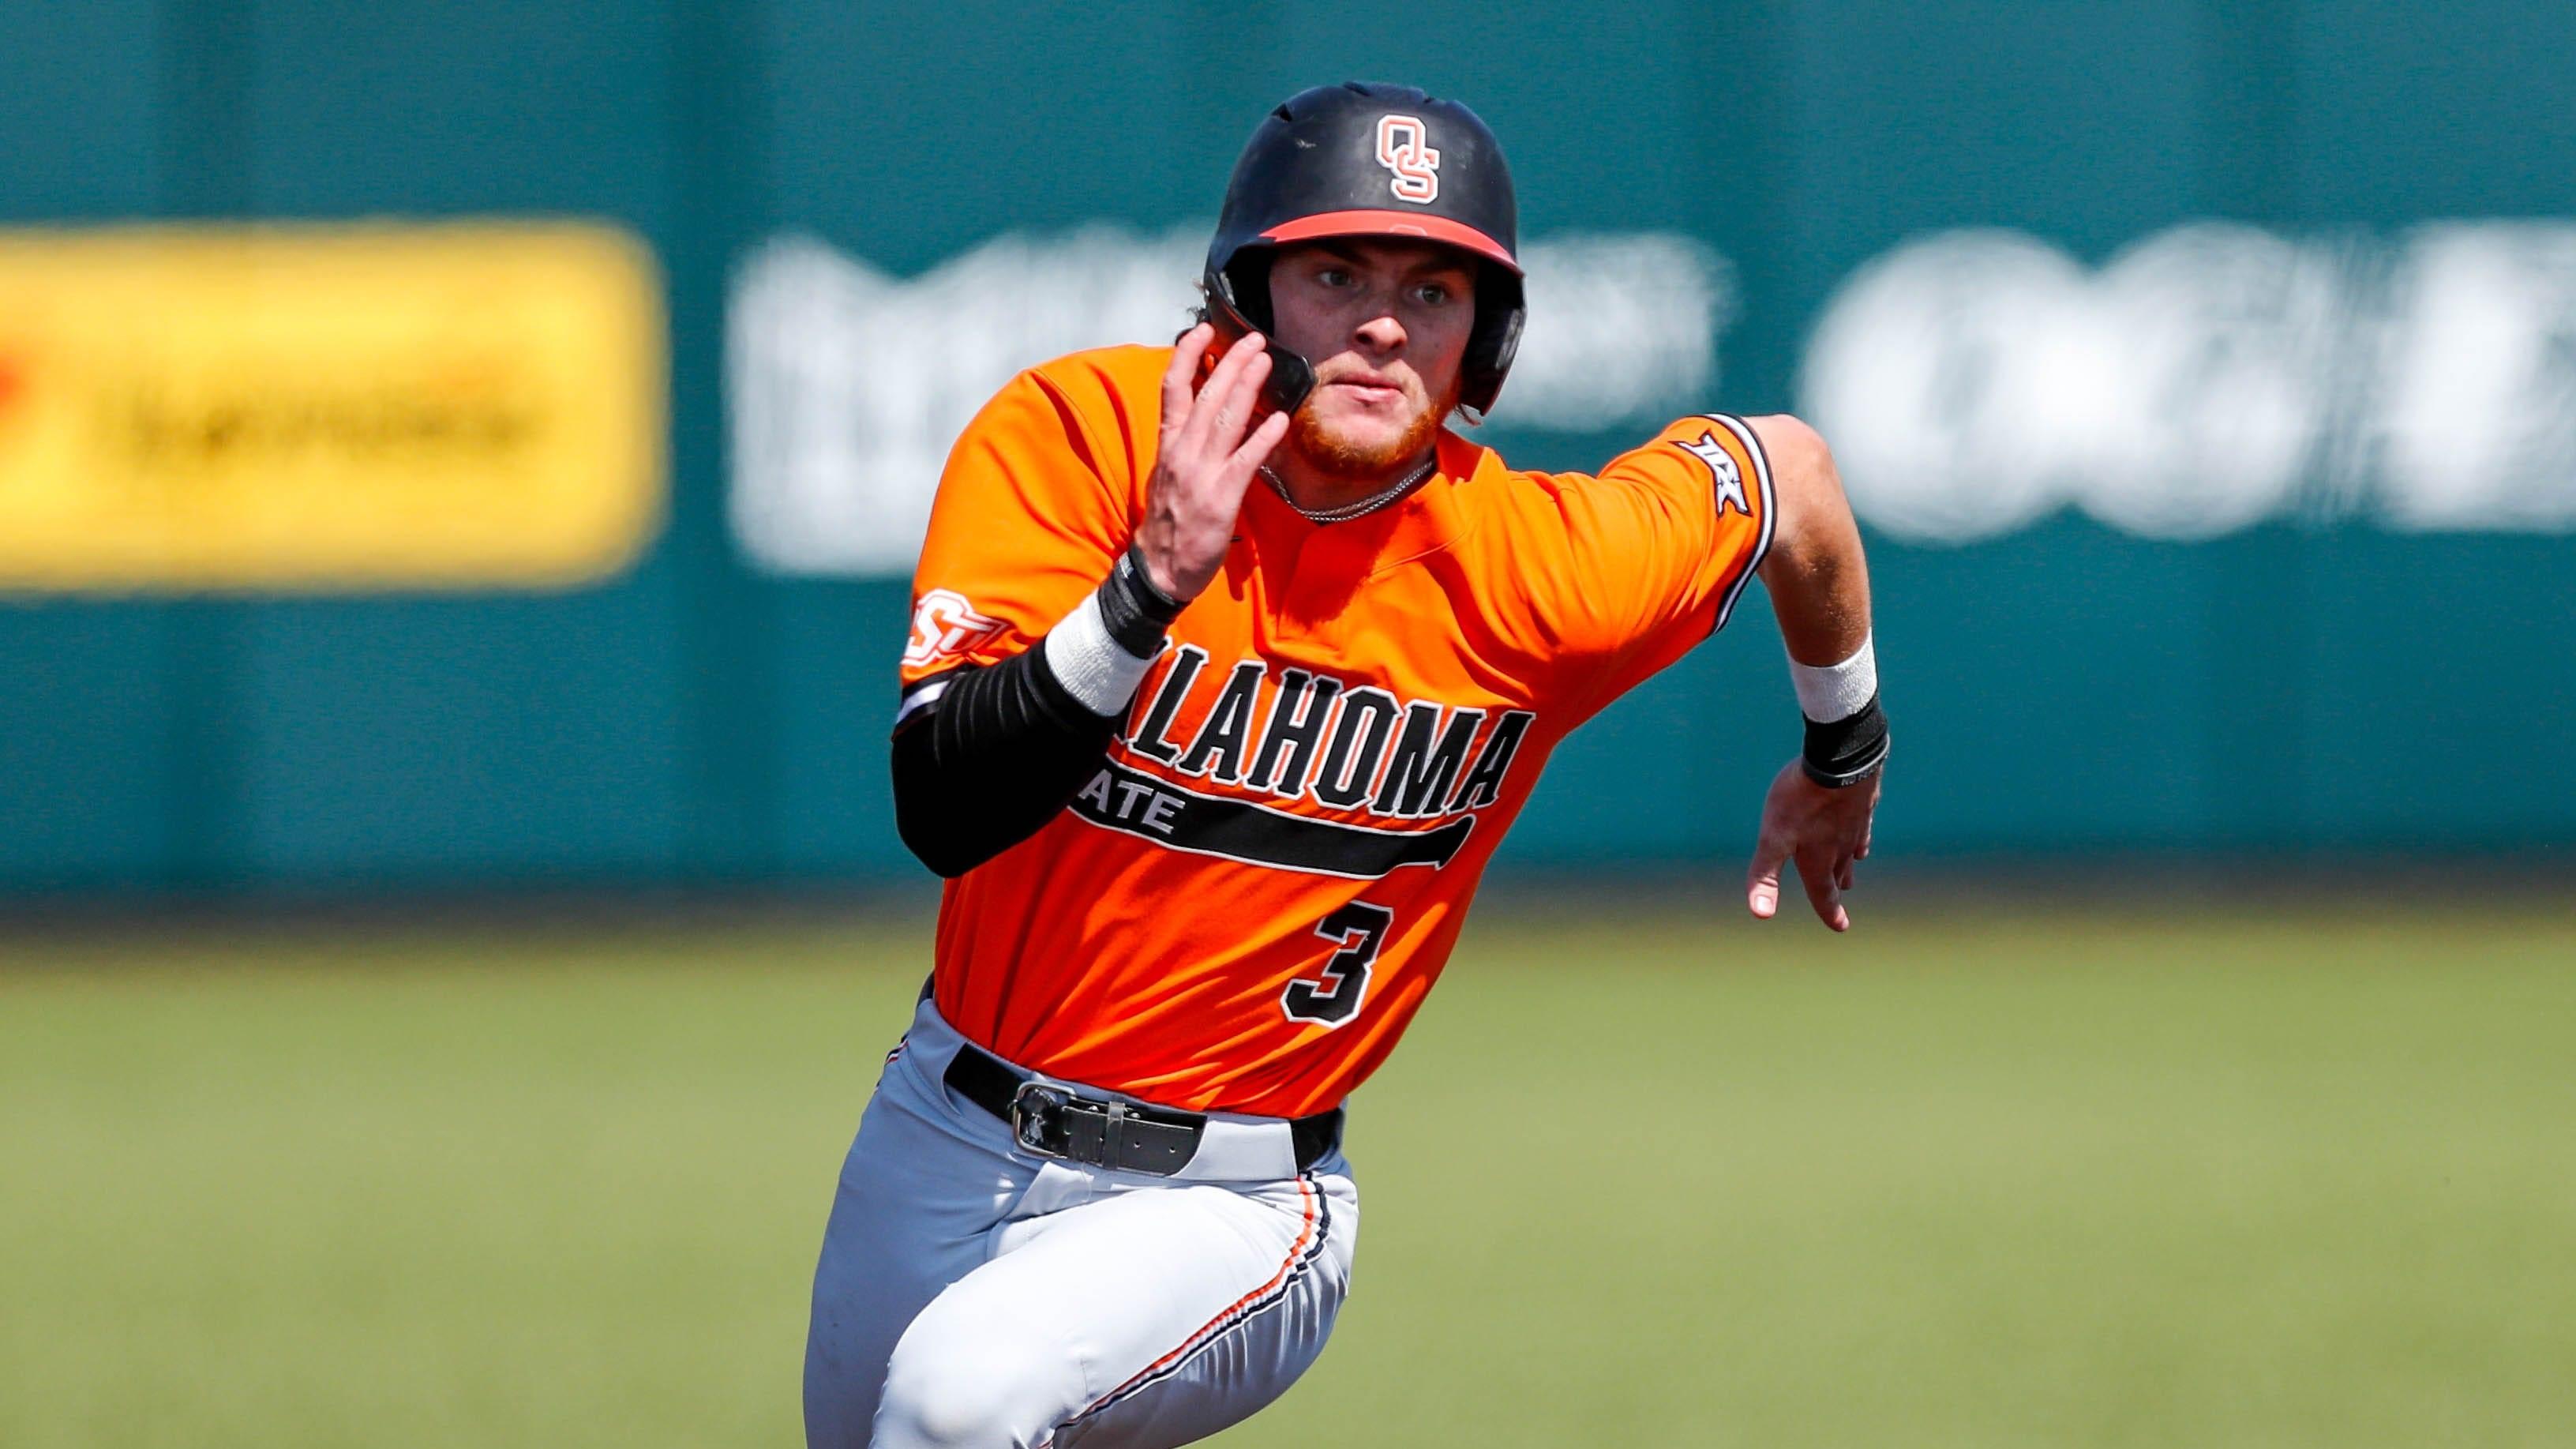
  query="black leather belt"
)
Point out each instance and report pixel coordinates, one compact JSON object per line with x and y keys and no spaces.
{"x":1054,"y":1121}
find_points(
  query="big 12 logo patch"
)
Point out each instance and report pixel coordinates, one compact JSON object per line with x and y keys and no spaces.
{"x":1404,"y":147}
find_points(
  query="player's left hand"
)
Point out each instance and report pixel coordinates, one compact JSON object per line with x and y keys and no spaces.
{"x":1825,"y":831}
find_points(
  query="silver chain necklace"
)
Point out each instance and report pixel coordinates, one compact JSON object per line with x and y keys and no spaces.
{"x":1349,"y":511}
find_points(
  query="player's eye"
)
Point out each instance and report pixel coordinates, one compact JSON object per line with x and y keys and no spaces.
{"x":1433,"y":294}
{"x":1333,"y":277}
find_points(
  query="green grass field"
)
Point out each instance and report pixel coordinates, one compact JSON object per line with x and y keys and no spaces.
{"x":2117,"y":1177}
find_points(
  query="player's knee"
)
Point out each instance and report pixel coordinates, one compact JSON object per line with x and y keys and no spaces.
{"x":949,"y":1406}
{"x":955,"y":1391}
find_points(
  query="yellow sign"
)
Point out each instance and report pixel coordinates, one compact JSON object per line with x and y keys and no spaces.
{"x":314,"y":408}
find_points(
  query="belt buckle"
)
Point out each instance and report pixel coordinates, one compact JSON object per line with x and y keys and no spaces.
{"x":1037,"y":1118}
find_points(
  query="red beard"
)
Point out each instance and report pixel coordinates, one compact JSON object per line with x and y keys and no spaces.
{"x":1341,"y":458}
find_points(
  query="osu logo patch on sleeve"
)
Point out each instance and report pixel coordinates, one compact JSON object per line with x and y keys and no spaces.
{"x":944,"y":626}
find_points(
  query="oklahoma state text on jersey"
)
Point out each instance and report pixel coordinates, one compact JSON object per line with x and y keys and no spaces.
{"x":1247,"y":902}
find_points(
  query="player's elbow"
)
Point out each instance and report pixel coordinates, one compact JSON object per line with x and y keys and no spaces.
{"x":1813,"y":518}
{"x":937,"y":834}
{"x":930,"y":820}
{"x":1792,"y":447}
{"x":947,"y":857}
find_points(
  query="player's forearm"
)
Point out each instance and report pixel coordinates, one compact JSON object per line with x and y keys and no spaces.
{"x":1819,"y":587}
{"x":984,"y":758}
{"x":1815,"y":572}
{"x":991,"y":761}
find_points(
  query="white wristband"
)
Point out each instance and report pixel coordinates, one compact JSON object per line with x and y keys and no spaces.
{"x":1830,"y":692}
{"x":1089,"y":664}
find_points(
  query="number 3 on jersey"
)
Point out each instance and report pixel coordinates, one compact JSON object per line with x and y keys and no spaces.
{"x":1333,"y":998}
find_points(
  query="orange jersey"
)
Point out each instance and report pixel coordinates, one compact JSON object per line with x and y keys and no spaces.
{"x":1244,"y":906}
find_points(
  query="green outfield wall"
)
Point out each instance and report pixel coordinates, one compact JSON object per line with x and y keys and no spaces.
{"x":2206,"y":374}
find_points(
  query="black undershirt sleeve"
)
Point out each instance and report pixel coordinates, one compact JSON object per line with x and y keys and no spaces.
{"x":992,"y":759}
{"x":998,"y":750}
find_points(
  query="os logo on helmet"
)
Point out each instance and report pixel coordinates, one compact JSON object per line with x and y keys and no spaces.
{"x":1403,"y":147}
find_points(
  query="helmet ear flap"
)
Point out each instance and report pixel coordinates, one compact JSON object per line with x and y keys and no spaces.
{"x":1501,"y":308}
{"x":1245,"y":279}
{"x":1238,"y":303}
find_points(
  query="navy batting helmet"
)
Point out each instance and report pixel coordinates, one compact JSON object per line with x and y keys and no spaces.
{"x":1370,"y":160}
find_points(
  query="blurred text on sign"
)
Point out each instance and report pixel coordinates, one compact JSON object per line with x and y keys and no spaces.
{"x":342,"y":408}
{"x":845,"y":386}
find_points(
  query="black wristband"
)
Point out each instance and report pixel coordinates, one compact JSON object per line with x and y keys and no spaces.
{"x":1849,"y":750}
{"x":1136,"y":612}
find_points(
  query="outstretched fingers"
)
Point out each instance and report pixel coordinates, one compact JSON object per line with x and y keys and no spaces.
{"x":1816,"y":872}
{"x":1762,"y":882}
{"x":1255,"y":451}
{"x":1223,"y":407}
{"x":1224,"y":458}
{"x":1177,"y":378}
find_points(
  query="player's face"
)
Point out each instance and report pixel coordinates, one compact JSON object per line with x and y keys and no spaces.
{"x":1386,"y":324}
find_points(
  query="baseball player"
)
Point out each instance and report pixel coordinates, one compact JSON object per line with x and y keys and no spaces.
{"x":1229,"y":668}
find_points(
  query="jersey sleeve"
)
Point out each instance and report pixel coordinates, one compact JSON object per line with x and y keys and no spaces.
{"x":1660,"y":547}
{"x":1031,"y":512}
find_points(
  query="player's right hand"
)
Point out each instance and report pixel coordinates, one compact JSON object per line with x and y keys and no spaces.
{"x":1204,"y":460}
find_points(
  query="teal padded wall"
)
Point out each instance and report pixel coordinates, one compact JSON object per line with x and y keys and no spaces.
{"x":2299,"y":686}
